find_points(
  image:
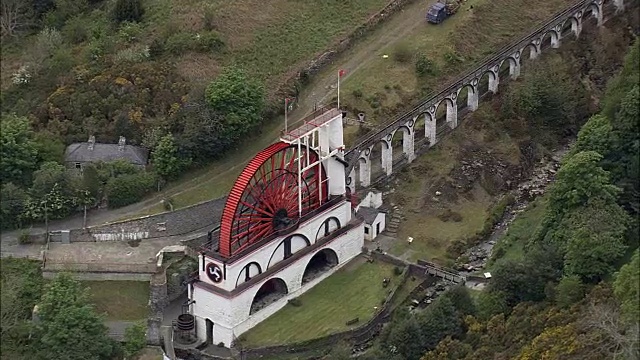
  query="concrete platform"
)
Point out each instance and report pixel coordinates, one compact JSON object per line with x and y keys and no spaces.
{"x":101,"y":257}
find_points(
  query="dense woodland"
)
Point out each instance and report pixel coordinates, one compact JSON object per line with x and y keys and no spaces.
{"x":86,"y":62}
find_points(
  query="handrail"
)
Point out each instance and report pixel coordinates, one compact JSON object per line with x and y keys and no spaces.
{"x":488,"y":60}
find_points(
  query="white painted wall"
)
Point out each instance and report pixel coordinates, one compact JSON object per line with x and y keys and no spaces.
{"x":341,"y":211}
{"x":231,"y":316}
{"x":373,"y":199}
{"x":381,"y":219}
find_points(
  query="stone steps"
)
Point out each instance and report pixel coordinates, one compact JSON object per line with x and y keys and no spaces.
{"x":391,"y":228}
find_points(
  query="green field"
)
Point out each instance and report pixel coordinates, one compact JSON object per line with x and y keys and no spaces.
{"x":120,"y":300}
{"x":353,"y":291}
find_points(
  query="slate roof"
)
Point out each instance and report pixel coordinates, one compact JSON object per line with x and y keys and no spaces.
{"x":368,"y":214}
{"x":79,"y":152}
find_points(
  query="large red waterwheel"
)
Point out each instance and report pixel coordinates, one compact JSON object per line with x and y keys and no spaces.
{"x":264,"y":198}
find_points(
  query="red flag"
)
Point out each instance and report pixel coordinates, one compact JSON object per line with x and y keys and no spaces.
{"x":342,"y":72}
{"x":288,"y":100}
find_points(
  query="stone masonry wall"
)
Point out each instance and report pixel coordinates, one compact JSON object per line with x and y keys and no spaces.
{"x":199,"y":217}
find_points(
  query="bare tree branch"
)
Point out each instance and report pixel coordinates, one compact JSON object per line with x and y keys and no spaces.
{"x":14,"y":17}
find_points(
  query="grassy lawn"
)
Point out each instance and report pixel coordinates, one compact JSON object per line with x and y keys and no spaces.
{"x":120,"y":300}
{"x":431,"y":235}
{"x":511,"y":245}
{"x":351,"y":292}
{"x":150,"y":353}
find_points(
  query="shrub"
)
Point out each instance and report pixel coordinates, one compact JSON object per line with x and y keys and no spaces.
{"x":167,"y":203}
{"x":129,"y":31}
{"x":208,"y":42}
{"x":127,"y":10}
{"x":357,"y":93}
{"x":181,"y":42}
{"x":425,"y":66}
{"x":76,"y":30}
{"x":61,"y":62}
{"x":456,"y":248}
{"x":453,"y":58}
{"x":397,"y":270}
{"x":402,"y":53}
{"x":24,"y":237}
{"x":295,"y":302}
{"x":47,"y":41}
{"x":128,"y":189}
{"x":134,"y":54}
{"x":135,"y":339}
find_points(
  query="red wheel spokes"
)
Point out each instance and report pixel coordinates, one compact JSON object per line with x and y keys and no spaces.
{"x":266,"y":190}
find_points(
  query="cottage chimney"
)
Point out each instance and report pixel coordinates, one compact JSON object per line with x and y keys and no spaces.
{"x":121,"y":143}
{"x":92,"y":142}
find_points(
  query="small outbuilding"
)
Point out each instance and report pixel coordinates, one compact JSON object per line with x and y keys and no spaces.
{"x":374,"y":221}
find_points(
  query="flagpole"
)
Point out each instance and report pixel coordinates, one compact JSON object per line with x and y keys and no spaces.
{"x":285,"y":114}
{"x":338,"y":90}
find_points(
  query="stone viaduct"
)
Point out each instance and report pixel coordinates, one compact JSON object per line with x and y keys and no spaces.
{"x":422,"y":127}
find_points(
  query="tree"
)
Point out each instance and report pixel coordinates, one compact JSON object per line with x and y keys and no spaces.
{"x":49,"y":147}
{"x":626,"y":287}
{"x":626,"y":147}
{"x":449,"y":349}
{"x":569,"y":291}
{"x":406,"y":340}
{"x":239,"y":99}
{"x":553,"y":343}
{"x":54,"y":188}
{"x":15,"y":15}
{"x":490,"y":303}
{"x":18,"y":151}
{"x":135,"y":339}
{"x":595,"y":135}
{"x":128,"y":189}
{"x":127,"y":10}
{"x":461,"y":299}
{"x":165,"y":158}
{"x":69,"y":327}
{"x":13,"y":201}
{"x":625,"y":81}
{"x":21,"y":288}
{"x":526,"y":280}
{"x":201,"y":133}
{"x":593,"y":238}
{"x":439,"y":320}
{"x":578,"y":180}
{"x":549,"y":99}
{"x":91,"y":180}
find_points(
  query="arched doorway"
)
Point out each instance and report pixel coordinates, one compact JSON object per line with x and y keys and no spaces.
{"x":209,"y":329}
{"x":270,"y":292}
{"x":320,"y":263}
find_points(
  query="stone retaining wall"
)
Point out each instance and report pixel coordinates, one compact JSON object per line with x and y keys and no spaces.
{"x":203,"y":216}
